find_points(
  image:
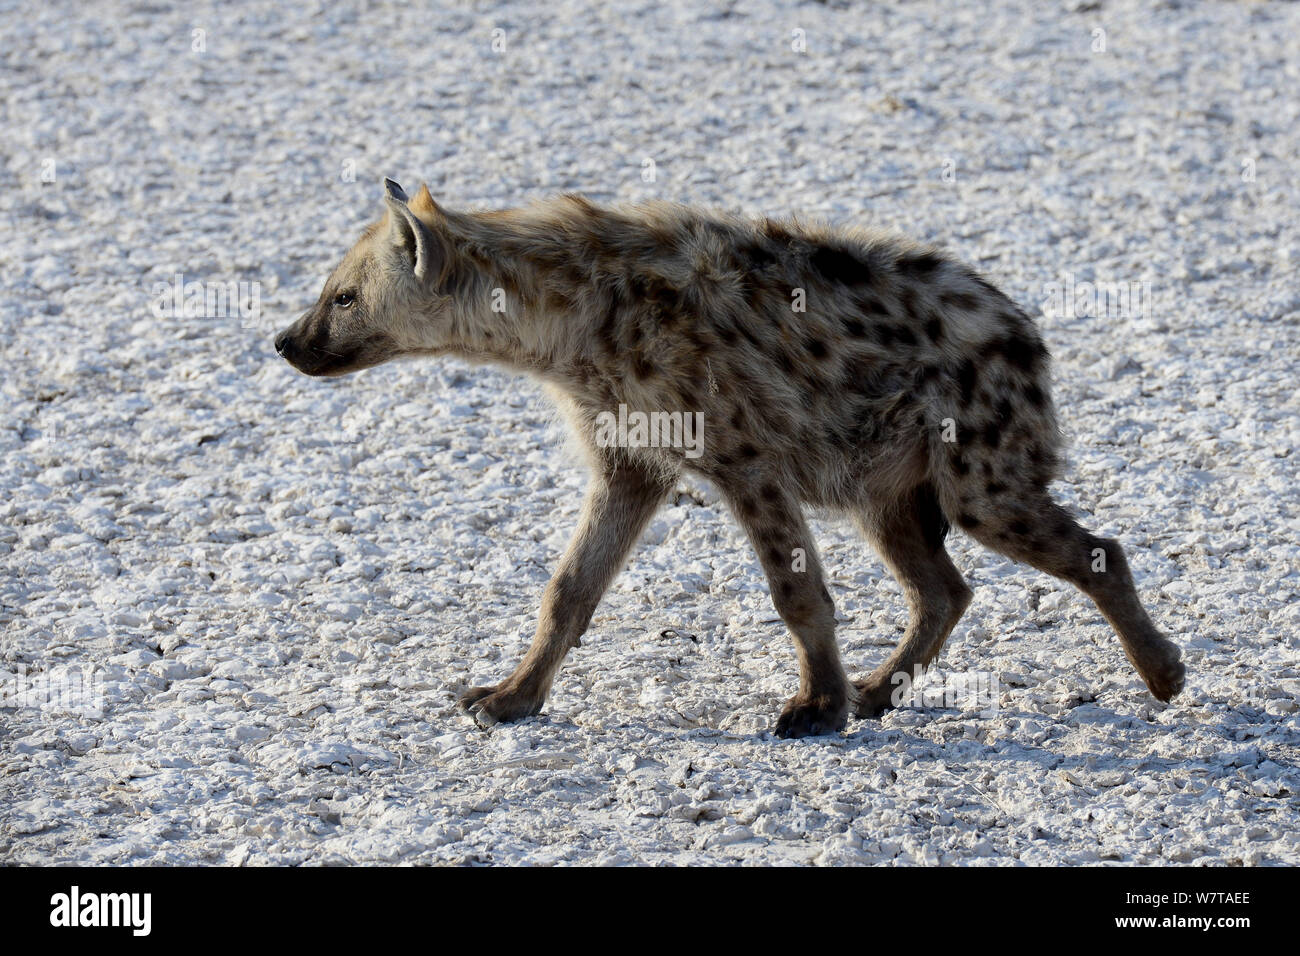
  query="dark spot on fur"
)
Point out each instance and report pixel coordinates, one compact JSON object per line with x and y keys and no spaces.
{"x":816,"y":348}
{"x":991,"y":435}
{"x":1020,"y":351}
{"x":607,"y":333}
{"x":1033,"y":394}
{"x":934,"y":329}
{"x":841,"y":438}
{"x":663,"y":302}
{"x":559,"y":301}
{"x":1025,"y":353}
{"x":574,"y":274}
{"x":782,"y":360}
{"x":854,"y":328}
{"x":774,"y":555}
{"x":907,"y":302}
{"x":839,"y":265}
{"x":756,"y":257}
{"x":919,"y":264}
{"x":698,"y":338}
{"x":871,"y":305}
{"x":770,"y":492}
{"x":994,"y":488}
{"x":1018,"y":528}
{"x":960,"y":300}
{"x":747,"y":451}
{"x":968,"y":520}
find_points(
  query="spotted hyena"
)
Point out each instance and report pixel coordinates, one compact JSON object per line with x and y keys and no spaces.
{"x":840,"y":369}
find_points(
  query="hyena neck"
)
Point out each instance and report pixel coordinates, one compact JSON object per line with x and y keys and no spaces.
{"x":516,"y":282}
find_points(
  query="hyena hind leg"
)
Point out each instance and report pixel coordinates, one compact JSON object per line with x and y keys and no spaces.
{"x":1036,"y":530}
{"x":909,"y":538}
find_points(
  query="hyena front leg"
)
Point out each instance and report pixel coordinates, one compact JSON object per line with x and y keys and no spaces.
{"x":909,"y":537}
{"x":786,"y":550}
{"x":621,"y":499}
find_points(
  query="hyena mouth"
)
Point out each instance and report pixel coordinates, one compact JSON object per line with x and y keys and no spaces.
{"x":329,"y":359}
{"x":309,"y":358}
{"x":329,"y":366}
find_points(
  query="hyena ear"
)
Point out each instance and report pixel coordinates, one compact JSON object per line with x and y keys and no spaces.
{"x":409,"y":235}
{"x":423,"y":204}
{"x":393,"y":191}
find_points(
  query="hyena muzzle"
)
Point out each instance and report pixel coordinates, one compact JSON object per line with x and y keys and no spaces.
{"x":839,"y":369}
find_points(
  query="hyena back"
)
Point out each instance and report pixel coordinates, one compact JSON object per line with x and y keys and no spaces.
{"x":845,"y":370}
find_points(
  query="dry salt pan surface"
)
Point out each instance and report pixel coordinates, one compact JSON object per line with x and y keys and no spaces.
{"x":277,"y":586}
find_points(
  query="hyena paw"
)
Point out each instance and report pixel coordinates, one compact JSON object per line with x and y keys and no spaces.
{"x":874,"y":696}
{"x":813,"y":716}
{"x":498,"y":705}
{"x":1165,"y":678}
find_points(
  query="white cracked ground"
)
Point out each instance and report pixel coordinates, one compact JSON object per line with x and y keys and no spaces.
{"x":283,"y":583}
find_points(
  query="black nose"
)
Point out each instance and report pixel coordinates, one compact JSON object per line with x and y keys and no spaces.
{"x":280,"y":341}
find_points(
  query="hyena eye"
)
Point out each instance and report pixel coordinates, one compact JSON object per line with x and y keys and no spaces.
{"x":344,"y":299}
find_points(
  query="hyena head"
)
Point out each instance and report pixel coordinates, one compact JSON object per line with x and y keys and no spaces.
{"x":378,"y":304}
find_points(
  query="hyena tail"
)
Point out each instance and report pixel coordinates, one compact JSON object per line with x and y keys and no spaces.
{"x":991,"y":461}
